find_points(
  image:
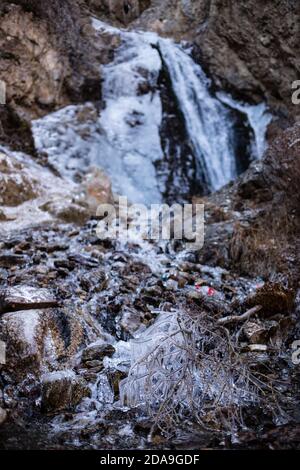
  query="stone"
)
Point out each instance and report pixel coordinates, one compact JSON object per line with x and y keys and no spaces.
{"x":34,"y":340}
{"x":26,"y":297}
{"x":3,"y":416}
{"x":255,"y":332}
{"x":22,"y":332}
{"x":3,"y":217}
{"x":16,"y":183}
{"x":97,"y":351}
{"x":9,"y":260}
{"x":67,"y":210}
{"x":62,"y":390}
{"x":95,"y":365}
{"x":94,"y":283}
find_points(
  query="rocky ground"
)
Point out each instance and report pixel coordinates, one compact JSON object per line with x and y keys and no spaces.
{"x":70,"y":304}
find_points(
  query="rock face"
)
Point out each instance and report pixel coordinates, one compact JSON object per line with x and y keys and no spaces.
{"x":49,"y":58}
{"x":124,"y":11}
{"x":51,"y":45}
{"x":252,"y":47}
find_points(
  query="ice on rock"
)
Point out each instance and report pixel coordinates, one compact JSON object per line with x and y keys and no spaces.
{"x":125,"y":138}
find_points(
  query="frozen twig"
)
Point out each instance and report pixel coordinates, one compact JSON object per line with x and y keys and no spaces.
{"x":239,"y":318}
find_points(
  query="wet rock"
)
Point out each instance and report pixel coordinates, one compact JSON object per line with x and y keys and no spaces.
{"x":62,"y":390}
{"x":68,"y":211}
{"x":26,"y":297}
{"x":83,"y":260}
{"x":65,"y":264}
{"x":94,"y":282}
{"x":152,"y":295}
{"x":3,"y":416}
{"x":9,"y":260}
{"x":115,"y":377}
{"x":97,"y":352}
{"x":136,"y":267}
{"x":94,"y":366}
{"x":16,"y":183}
{"x":23,"y":334}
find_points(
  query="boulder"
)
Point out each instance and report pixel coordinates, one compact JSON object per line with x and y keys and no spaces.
{"x":62,"y":390}
{"x":34,"y":340}
{"x":22,"y":332}
{"x":17,"y":185}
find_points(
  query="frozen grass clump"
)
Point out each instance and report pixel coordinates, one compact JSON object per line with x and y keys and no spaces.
{"x":185,"y":367}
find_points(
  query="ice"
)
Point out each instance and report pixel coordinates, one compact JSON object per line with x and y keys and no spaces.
{"x":125,"y":139}
{"x":58,"y":376}
{"x":170,"y":367}
{"x":259,"y":119}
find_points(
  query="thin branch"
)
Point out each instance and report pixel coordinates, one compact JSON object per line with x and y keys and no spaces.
{"x":238,"y":318}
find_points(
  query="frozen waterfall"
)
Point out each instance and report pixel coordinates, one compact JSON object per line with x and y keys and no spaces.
{"x":125,"y":137}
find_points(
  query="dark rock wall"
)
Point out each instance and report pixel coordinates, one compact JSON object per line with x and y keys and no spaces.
{"x":48,"y":58}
